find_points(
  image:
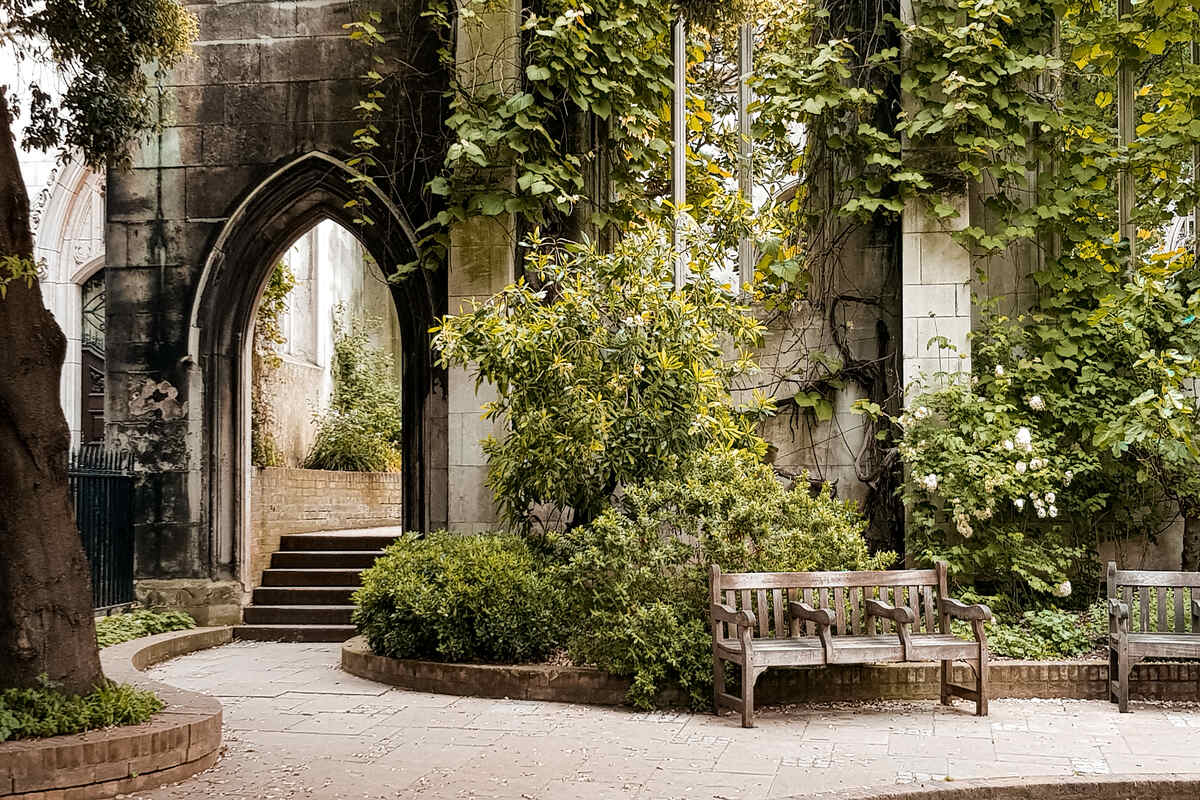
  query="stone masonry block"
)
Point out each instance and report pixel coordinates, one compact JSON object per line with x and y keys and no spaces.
{"x":213,"y":192}
{"x":194,"y":105}
{"x":919,"y":218}
{"x":953,"y":328}
{"x":939,"y":300}
{"x":943,"y":260}
{"x":254,"y":103}
{"x":146,"y":194}
{"x":219,"y":63}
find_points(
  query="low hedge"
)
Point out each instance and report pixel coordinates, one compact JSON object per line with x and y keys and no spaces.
{"x":447,"y":597}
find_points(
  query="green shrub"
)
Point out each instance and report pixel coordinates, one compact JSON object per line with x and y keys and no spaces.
{"x":448,"y":597}
{"x":119,"y":628}
{"x":606,"y":376}
{"x":361,"y":430}
{"x":29,"y":713}
{"x":1046,"y":634}
{"x":637,"y":577}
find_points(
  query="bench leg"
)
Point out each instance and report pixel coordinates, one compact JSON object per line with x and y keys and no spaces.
{"x":1114,"y":670}
{"x":946,"y":672}
{"x":748,"y":676}
{"x":1123,"y":681}
{"x":981,"y":684}
{"x":718,"y":682}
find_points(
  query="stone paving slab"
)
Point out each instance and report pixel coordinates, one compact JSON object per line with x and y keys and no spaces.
{"x":296,"y":726}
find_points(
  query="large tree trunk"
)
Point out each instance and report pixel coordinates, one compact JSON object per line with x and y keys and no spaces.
{"x":46,"y":619}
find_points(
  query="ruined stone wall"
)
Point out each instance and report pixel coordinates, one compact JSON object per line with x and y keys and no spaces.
{"x":307,"y":500}
{"x":268,"y":82}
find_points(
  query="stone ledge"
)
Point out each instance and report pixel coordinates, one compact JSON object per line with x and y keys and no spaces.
{"x":1085,"y":680}
{"x":181,"y":740}
{"x":1098,"y":787}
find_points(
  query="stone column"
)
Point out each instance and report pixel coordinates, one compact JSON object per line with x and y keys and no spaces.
{"x":482,"y":261}
{"x":937,"y":294}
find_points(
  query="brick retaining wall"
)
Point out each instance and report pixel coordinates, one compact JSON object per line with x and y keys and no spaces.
{"x":284,"y":500}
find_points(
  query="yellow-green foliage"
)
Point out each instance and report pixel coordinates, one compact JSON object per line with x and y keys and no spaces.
{"x":44,"y":711}
{"x":119,"y":628}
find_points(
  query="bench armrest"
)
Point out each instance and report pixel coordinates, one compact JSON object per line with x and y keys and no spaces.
{"x":1119,"y":611}
{"x":901,"y":615}
{"x":723,"y":613}
{"x":821,"y":616}
{"x":958,"y":610}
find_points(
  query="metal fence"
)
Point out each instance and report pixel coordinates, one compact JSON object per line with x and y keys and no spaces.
{"x":102,"y":491}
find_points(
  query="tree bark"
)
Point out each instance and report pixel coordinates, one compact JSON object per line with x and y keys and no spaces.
{"x":46,"y":618}
{"x":1191,"y":540}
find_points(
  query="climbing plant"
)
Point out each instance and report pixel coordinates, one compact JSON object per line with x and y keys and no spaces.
{"x":268,"y":335}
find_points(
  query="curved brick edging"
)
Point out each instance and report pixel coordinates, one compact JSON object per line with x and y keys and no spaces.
{"x":179,"y":741}
{"x":1085,"y":680}
{"x":1097,"y":787}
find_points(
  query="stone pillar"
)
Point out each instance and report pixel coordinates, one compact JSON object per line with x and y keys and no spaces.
{"x":482,"y":261}
{"x":937,"y":293}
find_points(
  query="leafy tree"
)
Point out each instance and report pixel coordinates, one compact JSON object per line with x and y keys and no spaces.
{"x":103,"y":51}
{"x":605,"y":376}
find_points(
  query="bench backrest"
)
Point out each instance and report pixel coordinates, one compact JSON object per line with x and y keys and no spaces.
{"x":767,"y":595}
{"x":1158,"y":601}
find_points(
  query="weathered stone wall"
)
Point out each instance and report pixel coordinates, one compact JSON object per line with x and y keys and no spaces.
{"x":287,"y":501}
{"x":194,"y":225}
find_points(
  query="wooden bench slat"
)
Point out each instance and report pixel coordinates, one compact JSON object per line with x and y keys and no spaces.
{"x":764,"y":621}
{"x":1162,"y":610}
{"x":839,"y":610}
{"x":927,"y":597}
{"x":781,"y":626}
{"x":914,"y":605}
{"x":1135,"y":578}
{"x":1180,"y":621}
{"x":1144,"y":604}
{"x":823,"y":598}
{"x":809,"y":627}
{"x":856,"y":626}
{"x":814,"y":580}
{"x":1125,"y":598}
{"x":794,"y":627}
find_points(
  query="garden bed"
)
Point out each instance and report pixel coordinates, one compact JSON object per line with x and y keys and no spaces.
{"x":1081,"y":680}
{"x":179,"y":741}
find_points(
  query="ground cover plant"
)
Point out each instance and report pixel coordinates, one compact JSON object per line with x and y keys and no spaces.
{"x":47,"y":711}
{"x":118,"y":628}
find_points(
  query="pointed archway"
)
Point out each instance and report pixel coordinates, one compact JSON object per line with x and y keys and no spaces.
{"x":273,"y":214}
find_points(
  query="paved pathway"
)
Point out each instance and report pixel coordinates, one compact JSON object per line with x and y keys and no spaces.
{"x":296,"y":726}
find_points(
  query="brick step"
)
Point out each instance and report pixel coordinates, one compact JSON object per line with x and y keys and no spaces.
{"x":349,"y":540}
{"x":323,"y":559}
{"x":297,"y":615}
{"x":312,"y":577}
{"x":293,"y":633}
{"x":303,"y":596}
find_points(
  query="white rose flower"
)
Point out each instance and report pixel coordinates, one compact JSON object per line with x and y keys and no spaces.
{"x":930,"y":482}
{"x":1063,"y":589}
{"x":922,"y":412}
{"x":1050,"y":497}
{"x":1037,"y":403}
{"x":1008,"y":444}
{"x":1067,"y":476}
{"x":964,"y":527}
{"x":1052,"y":511}
{"x":1036,"y":463}
{"x":1019,"y":503}
{"x":1020,"y":467}
{"x":1041,"y":513}
{"x":999,"y":371}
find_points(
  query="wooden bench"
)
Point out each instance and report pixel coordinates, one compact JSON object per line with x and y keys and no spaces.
{"x":800,"y":619}
{"x":1150,"y":615}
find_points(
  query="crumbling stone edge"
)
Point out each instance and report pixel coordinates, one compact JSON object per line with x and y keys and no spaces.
{"x":179,"y":741}
{"x":1084,"y":680}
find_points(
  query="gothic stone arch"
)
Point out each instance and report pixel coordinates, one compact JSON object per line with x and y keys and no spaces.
{"x":257,"y":128}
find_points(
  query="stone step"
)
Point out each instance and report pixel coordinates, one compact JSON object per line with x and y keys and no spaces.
{"x":297,"y":615}
{"x":293,"y":633}
{"x":312,"y":577}
{"x":323,"y":559}
{"x":339,"y":540}
{"x":303,"y":595}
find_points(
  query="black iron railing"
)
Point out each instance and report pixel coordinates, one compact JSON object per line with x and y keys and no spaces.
{"x":102,"y":491}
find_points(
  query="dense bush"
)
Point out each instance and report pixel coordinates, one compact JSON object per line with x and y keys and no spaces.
{"x":44,"y":711}
{"x":606,"y":375}
{"x":637,"y":577}
{"x":119,"y":628}
{"x":361,"y":430}
{"x":448,"y":597}
{"x":1044,"y":634}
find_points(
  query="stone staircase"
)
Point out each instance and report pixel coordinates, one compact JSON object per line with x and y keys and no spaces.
{"x":305,"y":593}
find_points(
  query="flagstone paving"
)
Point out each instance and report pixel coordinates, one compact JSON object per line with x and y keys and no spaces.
{"x":296,"y":726}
